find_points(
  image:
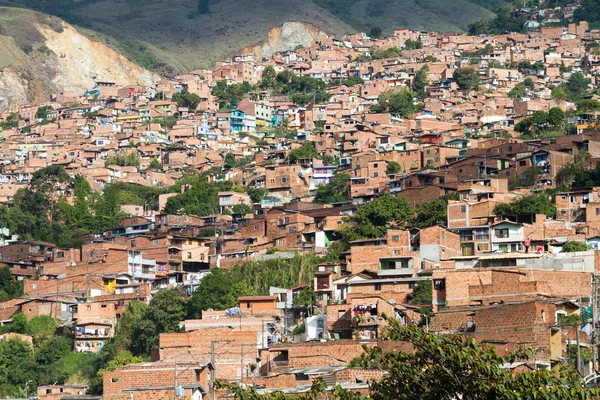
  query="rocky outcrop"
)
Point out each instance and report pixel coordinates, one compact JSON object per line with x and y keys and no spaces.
{"x":54,"y":56}
{"x":286,"y":37}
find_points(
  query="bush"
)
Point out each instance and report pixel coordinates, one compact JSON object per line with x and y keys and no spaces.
{"x":572,"y":247}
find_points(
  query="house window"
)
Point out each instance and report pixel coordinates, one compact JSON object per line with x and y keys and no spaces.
{"x":249,"y":304}
{"x":283,"y":180}
{"x":256,"y":227}
{"x":375,"y":165}
{"x":483,"y":247}
{"x":272,"y":180}
{"x":397,"y":252}
{"x":375,"y":175}
{"x":522,"y":163}
{"x":133,"y":243}
{"x":501,"y":233}
{"x":189,"y":255}
{"x":155,"y":242}
{"x":463,"y":209}
{"x":443,"y":235}
{"x":439,"y":284}
{"x":280,"y":242}
{"x":378,"y":286}
{"x":597,"y":210}
{"x":201,"y":257}
{"x":60,"y":254}
{"x":396,"y":238}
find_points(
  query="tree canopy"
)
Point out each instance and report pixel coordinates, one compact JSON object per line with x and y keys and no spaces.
{"x":537,"y":203}
{"x":187,"y":99}
{"x":467,"y":78}
{"x":443,"y":367}
{"x":431,"y":213}
{"x":372,"y":220}
{"x":336,"y":191}
{"x":399,"y":102}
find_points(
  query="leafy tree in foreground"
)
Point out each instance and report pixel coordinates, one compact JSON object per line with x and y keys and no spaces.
{"x":446,"y":368}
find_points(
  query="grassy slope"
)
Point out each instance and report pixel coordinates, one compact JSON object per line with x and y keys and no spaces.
{"x":192,"y":43}
{"x":429,"y":15}
{"x":22,"y":47}
{"x":159,"y":31}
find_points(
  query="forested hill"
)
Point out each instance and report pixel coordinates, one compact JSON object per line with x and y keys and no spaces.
{"x":188,"y":34}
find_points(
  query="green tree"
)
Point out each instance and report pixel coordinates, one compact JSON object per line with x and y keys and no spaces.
{"x":230,"y":161}
{"x":573,"y":246}
{"x":268,"y":77}
{"x":518,"y":91}
{"x":467,"y":78}
{"x":155,"y":163}
{"x":443,"y":367}
{"x":399,"y":102}
{"x":372,"y":220}
{"x":8,"y":285}
{"x":217,"y":290}
{"x":559,"y":93}
{"x":187,"y":99}
{"x":257,"y":194}
{"x":351,"y":81}
{"x":306,"y":151}
{"x":17,"y":367}
{"x":393,"y":167}
{"x":577,"y":86}
{"x":336,"y":191}
{"x":392,"y":52}
{"x":375,"y":32}
{"x":42,"y":112}
{"x":305,"y":298}
{"x":556,"y":117}
{"x":413,"y":44}
{"x":242,"y":209}
{"x":588,"y":105}
{"x":431,"y":213}
{"x":537,"y":203}
{"x":120,"y":359}
{"x":420,"y":82}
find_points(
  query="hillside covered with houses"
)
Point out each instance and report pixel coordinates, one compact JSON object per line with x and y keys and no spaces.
{"x":263,"y":222}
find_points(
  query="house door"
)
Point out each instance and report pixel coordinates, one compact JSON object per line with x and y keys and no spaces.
{"x":468,"y":250}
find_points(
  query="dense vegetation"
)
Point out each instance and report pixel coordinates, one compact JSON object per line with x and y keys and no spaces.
{"x":537,"y":203}
{"x":48,"y":360}
{"x":445,"y":367}
{"x":506,"y":20}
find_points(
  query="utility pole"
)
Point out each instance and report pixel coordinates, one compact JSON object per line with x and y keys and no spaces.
{"x":212,"y":361}
{"x":577,"y":327}
{"x":175,"y":385}
{"x":595,"y":326}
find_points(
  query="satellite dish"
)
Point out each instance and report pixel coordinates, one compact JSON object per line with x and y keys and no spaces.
{"x":392,"y":301}
{"x":73,"y":264}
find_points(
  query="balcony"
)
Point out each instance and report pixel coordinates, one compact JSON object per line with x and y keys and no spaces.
{"x":396,"y":267}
